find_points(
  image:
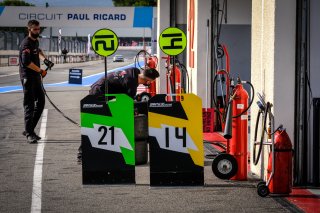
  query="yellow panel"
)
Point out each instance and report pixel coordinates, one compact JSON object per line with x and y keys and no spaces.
{"x":193,"y":109}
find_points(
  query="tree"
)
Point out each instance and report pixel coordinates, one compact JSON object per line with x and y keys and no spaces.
{"x":134,"y":3}
{"x":15,"y":3}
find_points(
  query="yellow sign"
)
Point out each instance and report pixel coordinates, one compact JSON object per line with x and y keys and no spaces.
{"x":172,"y":41}
{"x":104,"y":42}
{"x":180,"y":128}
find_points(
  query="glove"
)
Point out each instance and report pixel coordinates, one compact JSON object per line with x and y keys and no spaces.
{"x":43,"y":73}
{"x":48,"y":63}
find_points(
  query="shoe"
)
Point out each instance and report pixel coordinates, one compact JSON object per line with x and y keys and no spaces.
{"x":25,"y":134}
{"x":32,"y":139}
{"x":37,"y":137}
{"x":79,"y":157}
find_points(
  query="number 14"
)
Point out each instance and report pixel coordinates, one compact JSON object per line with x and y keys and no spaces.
{"x":183,"y":136}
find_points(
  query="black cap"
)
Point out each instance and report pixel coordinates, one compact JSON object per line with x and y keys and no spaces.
{"x":151,"y":73}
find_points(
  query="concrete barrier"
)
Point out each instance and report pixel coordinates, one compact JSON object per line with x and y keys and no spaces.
{"x":52,"y":56}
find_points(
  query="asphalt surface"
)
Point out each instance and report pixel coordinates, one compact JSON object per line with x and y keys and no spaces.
{"x":62,"y":189}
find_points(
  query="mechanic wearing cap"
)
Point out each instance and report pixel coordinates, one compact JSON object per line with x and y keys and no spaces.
{"x":124,"y":81}
{"x":31,"y":78}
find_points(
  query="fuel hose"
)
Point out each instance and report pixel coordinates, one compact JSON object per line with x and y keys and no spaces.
{"x":51,"y":102}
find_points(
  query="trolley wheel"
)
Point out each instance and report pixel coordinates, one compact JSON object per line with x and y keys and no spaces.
{"x":224,"y":166}
{"x":263,"y":190}
{"x":261,"y":183}
{"x":145,"y":96}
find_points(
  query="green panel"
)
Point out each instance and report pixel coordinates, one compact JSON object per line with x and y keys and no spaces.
{"x":122,"y":117}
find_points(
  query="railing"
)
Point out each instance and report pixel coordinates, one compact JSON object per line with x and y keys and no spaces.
{"x":11,"y":58}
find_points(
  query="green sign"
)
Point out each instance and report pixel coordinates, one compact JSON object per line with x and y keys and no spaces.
{"x":104,"y":42}
{"x":172,"y":41}
{"x":107,"y":139}
{"x":110,"y":129}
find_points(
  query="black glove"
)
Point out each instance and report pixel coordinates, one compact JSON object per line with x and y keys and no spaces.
{"x":48,"y":63}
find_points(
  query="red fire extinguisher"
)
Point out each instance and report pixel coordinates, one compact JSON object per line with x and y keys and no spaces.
{"x":239,"y":142}
{"x":280,"y":164}
{"x":173,"y":78}
{"x":233,"y":164}
{"x":152,"y":62}
{"x":176,"y":81}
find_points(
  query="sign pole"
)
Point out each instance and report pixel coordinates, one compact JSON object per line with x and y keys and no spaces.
{"x":174,"y":77}
{"x":105,"y":78}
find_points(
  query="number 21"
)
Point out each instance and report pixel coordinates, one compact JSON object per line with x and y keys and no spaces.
{"x":105,"y":130}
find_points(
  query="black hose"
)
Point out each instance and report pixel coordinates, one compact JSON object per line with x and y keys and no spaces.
{"x":274,"y":132}
{"x":214,"y":100}
{"x":257,"y":125}
{"x":69,"y":119}
{"x":136,"y":61}
{"x":45,"y":92}
{"x":184,"y":69}
{"x":250,"y":103}
{"x":220,"y":51}
{"x":256,"y":157}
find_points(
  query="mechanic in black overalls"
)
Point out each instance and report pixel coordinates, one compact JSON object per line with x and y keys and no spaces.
{"x":31,"y":76}
{"x":122,"y":82}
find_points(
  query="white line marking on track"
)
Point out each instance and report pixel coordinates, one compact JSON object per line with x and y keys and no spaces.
{"x":37,"y":175}
{"x":2,"y":76}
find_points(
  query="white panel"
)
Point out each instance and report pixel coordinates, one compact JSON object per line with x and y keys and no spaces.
{"x":109,"y":17}
{"x":238,"y":11}
{"x":315,"y":48}
{"x":163,"y":23}
{"x":83,"y":32}
{"x":199,"y":77}
{"x":284,"y":61}
{"x":181,"y":10}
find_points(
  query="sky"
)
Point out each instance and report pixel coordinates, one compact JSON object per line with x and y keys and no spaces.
{"x":72,"y":3}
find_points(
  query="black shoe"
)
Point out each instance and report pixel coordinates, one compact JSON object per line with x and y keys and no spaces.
{"x":32,"y":139}
{"x":25,"y":134}
{"x":37,"y":137}
{"x":79,"y":157}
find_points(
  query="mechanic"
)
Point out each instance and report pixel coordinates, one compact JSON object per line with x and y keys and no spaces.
{"x":124,"y":81}
{"x":31,"y":78}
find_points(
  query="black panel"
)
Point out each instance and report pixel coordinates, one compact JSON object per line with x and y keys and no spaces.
{"x":316,"y":141}
{"x":171,"y":168}
{"x":94,"y":104}
{"x":159,"y":105}
{"x":101,"y":166}
{"x":301,"y":122}
{"x":75,"y":76}
{"x":141,"y":107}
